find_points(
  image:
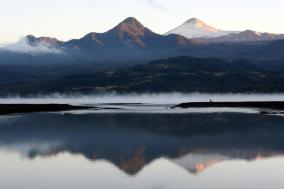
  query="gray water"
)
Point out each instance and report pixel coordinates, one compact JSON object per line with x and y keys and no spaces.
{"x":147,"y":146}
{"x":214,"y":150}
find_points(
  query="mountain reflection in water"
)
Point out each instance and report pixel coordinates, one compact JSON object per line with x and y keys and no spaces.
{"x":131,"y":141}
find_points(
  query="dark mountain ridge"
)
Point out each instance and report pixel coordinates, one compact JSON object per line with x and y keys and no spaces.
{"x":181,"y":74}
{"x":245,"y":36}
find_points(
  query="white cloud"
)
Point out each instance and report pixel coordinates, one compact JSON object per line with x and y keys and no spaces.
{"x":24,"y":47}
{"x":155,"y":4}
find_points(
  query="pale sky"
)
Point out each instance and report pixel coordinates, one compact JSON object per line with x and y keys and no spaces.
{"x":66,"y":19}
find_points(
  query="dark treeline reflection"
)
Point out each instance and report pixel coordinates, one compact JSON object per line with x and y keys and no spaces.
{"x":130,"y":141}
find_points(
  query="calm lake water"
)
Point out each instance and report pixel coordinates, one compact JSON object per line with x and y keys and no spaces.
{"x":142,"y":150}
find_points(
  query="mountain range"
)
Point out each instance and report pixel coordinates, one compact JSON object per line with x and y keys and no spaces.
{"x":250,"y":61}
{"x":130,"y":40}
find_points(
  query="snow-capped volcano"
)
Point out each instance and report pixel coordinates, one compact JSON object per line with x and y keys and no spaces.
{"x":195,"y":28}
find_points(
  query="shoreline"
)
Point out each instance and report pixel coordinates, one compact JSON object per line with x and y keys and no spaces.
{"x":6,"y":109}
{"x":274,"y":105}
{"x":266,"y":107}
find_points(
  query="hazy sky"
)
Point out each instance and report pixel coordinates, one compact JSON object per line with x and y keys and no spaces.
{"x":65,"y":19}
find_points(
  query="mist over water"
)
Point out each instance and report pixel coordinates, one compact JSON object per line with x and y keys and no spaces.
{"x":162,"y":98}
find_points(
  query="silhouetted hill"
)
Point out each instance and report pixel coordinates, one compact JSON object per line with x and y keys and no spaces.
{"x":181,"y":74}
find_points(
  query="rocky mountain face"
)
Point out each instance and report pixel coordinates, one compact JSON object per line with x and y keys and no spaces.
{"x":47,"y":41}
{"x":130,"y":34}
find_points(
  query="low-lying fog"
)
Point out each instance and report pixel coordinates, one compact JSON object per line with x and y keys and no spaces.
{"x":167,"y":98}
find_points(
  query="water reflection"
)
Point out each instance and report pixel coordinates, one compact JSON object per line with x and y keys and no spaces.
{"x":194,"y":142}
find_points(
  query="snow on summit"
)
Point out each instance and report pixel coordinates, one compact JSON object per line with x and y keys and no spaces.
{"x":195,"y":28}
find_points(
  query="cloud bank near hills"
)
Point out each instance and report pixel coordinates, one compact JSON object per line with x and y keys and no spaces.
{"x":24,"y":47}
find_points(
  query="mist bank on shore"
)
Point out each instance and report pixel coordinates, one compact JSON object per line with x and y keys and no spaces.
{"x":142,"y":98}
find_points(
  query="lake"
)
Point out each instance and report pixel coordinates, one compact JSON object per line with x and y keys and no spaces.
{"x":145,"y":146}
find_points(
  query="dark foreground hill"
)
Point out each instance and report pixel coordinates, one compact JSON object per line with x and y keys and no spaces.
{"x":181,"y":74}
